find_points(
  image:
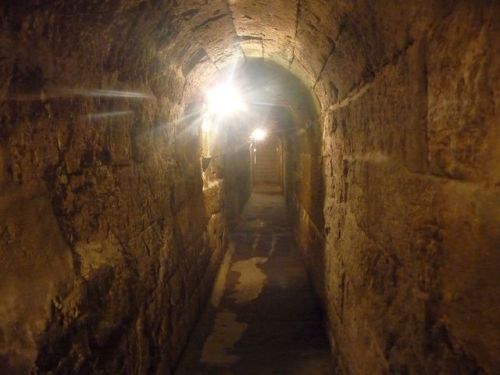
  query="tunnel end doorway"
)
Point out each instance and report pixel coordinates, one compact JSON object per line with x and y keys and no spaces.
{"x":267,"y":165}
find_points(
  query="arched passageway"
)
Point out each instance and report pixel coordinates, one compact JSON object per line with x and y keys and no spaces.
{"x":263,"y":316}
{"x":115,"y":205}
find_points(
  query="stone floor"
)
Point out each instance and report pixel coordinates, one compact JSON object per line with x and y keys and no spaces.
{"x":266,"y":320}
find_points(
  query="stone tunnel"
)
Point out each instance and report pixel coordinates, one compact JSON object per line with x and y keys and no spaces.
{"x":127,"y":204}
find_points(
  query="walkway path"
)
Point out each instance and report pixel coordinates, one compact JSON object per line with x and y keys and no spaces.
{"x":267,"y":320}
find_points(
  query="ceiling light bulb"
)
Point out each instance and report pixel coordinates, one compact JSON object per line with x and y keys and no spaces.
{"x":224,"y":99}
{"x":258,"y":135}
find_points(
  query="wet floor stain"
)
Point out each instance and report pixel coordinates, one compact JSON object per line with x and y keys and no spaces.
{"x":250,"y":281}
{"x":226,"y":332}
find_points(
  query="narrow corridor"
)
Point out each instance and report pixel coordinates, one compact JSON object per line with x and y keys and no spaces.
{"x":267,"y":321}
{"x":133,"y":134}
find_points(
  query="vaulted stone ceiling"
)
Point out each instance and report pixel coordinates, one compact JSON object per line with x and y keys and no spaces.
{"x":330,"y":45}
{"x":333,"y":46}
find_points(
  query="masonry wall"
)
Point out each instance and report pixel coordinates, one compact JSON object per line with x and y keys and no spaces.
{"x":411,"y":166}
{"x":108,"y":241}
{"x":305,"y":196}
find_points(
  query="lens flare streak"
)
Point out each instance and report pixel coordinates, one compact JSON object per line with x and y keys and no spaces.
{"x":97,"y":116}
{"x":65,"y":93}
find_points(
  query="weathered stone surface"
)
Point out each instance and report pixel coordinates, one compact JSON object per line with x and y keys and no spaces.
{"x":98,"y":239}
{"x":402,"y":254}
{"x":272,"y":22}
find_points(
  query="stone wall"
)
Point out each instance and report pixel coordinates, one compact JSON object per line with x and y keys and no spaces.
{"x":411,"y":174}
{"x":109,"y":241}
{"x":305,"y":197}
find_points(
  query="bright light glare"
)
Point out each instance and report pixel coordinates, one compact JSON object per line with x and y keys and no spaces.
{"x":224,"y":99}
{"x":258,"y":135}
{"x":206,"y":125}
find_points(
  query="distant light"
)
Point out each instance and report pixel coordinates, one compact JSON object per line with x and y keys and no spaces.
{"x":206,"y":125}
{"x":258,"y":135}
{"x":224,"y":99}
